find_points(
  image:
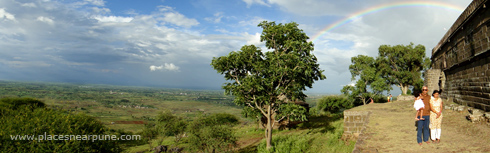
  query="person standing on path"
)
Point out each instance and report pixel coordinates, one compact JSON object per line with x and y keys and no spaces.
{"x":435,"y":117}
{"x":423,"y":125}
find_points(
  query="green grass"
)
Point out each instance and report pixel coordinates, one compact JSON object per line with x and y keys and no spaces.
{"x":321,"y":134}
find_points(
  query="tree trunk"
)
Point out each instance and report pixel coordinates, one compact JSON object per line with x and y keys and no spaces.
{"x":404,"y":89}
{"x":363,"y":100}
{"x":268,"y":131}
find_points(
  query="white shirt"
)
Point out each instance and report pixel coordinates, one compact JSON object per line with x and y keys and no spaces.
{"x":418,"y":104}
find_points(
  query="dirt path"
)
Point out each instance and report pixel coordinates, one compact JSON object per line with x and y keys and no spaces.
{"x":392,"y":128}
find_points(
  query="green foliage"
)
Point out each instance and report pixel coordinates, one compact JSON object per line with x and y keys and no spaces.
{"x":209,"y":134}
{"x":171,"y":125}
{"x":292,"y":111}
{"x":149,"y":132}
{"x":252,"y":113}
{"x":398,"y":65}
{"x":402,"y":65}
{"x":32,"y":121}
{"x":370,"y":82}
{"x":221,"y":119}
{"x":409,"y":92}
{"x":285,"y":143}
{"x":257,"y":78}
{"x":14,"y":103}
{"x":334,"y":104}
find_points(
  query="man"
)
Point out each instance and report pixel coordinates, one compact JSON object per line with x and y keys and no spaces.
{"x":423,"y":125}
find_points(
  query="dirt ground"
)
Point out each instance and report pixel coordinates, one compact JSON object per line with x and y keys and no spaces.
{"x":392,"y":128}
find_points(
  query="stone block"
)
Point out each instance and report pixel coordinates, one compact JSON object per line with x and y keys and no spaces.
{"x":460,"y":108}
{"x":448,"y":108}
{"x":487,"y":115}
{"x":475,"y":118}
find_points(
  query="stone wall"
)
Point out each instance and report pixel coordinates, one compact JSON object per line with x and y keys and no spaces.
{"x":355,"y":122}
{"x":404,"y":97}
{"x":462,"y":59}
{"x":432,"y":79}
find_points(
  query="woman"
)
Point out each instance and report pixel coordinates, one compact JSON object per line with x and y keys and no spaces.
{"x":435,"y":117}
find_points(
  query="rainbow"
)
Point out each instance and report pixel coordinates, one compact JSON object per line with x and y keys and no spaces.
{"x":383,"y":7}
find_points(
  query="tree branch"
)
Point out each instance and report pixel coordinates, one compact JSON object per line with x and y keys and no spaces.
{"x":257,"y":105}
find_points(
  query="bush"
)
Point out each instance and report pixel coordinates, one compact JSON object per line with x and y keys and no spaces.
{"x":221,"y":119}
{"x":381,"y":98}
{"x":27,"y":119}
{"x":14,"y":103}
{"x":334,"y":104}
{"x":171,"y":125}
{"x":209,"y":134}
{"x":285,"y":143}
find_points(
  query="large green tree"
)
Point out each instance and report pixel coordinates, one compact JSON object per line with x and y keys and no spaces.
{"x":370,"y":82}
{"x":259,"y":78}
{"x":402,"y":65}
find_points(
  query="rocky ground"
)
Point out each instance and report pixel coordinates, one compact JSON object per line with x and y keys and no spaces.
{"x":392,"y":128}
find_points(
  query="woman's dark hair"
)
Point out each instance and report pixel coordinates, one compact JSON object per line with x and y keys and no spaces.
{"x":416,"y":93}
{"x":436,"y":91}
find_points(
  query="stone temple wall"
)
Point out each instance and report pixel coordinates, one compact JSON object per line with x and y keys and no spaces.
{"x":355,"y":122}
{"x":461,"y":60}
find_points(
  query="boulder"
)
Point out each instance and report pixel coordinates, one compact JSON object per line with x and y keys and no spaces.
{"x":448,"y":108}
{"x":160,"y":149}
{"x":460,"y":108}
{"x":475,"y":116}
{"x":176,"y":149}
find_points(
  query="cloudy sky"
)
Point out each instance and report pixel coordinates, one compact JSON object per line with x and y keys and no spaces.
{"x":170,"y":43}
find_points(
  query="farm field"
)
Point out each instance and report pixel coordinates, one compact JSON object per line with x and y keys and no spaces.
{"x":129,"y":109}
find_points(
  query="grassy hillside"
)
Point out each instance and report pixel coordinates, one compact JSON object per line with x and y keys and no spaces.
{"x":114,"y":105}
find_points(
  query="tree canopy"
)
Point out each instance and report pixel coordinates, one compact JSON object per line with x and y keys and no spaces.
{"x":369,"y":83}
{"x":402,"y":65}
{"x":258,"y":78}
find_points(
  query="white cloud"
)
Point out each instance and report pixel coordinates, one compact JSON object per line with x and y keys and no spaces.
{"x":96,"y":2}
{"x":99,"y":10}
{"x":163,"y":8}
{"x":31,"y":5}
{"x":252,"y":22}
{"x":45,"y":19}
{"x":166,"y":66}
{"x":113,"y":18}
{"x":91,"y":2}
{"x":6,"y":15}
{"x":179,"y":19}
{"x":260,"y":2}
{"x":253,"y":39}
{"x":216,"y":18}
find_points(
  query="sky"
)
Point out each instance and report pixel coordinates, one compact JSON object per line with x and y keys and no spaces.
{"x":170,"y":43}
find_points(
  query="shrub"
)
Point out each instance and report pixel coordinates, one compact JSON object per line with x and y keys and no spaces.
{"x":285,"y":143}
{"x":221,"y":119}
{"x":32,"y":121}
{"x":209,"y":134}
{"x":334,"y":104}
{"x":14,"y":103}
{"x":171,"y":125}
